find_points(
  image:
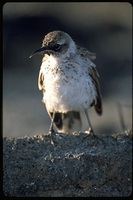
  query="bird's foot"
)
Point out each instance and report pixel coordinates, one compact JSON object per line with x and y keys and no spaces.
{"x":91,"y":132}
{"x":52,"y":135}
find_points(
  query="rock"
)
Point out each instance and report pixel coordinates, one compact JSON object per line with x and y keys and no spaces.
{"x":77,"y":165}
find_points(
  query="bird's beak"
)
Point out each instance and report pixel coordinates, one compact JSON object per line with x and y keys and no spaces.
{"x":41,"y":50}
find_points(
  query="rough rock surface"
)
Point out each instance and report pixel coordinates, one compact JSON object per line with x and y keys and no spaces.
{"x":77,"y":165}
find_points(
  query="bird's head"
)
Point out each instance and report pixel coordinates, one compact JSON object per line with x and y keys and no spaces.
{"x":57,"y":43}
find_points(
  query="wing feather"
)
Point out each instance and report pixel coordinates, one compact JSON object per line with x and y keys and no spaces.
{"x":40,"y":81}
{"x":94,"y":75}
{"x":84,"y":53}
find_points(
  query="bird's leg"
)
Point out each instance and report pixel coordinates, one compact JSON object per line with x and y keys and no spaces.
{"x":51,"y":129}
{"x":90,"y":126}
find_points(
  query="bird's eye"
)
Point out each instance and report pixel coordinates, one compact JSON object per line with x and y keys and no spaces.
{"x":56,"y":47}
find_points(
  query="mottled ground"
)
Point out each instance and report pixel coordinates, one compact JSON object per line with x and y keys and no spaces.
{"x":78,"y":165}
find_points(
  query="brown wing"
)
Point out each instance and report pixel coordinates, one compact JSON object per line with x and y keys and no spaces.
{"x":84,"y":52}
{"x":94,"y":75}
{"x":40,"y":80}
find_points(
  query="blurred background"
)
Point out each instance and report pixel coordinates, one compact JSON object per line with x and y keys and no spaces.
{"x":103,"y":28}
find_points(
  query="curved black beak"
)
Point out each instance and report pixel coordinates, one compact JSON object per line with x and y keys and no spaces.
{"x":41,"y":50}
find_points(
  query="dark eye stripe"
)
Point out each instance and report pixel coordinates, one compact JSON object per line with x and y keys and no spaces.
{"x":56,"y":47}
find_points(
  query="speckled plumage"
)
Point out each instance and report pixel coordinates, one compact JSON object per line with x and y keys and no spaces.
{"x":68,"y":78}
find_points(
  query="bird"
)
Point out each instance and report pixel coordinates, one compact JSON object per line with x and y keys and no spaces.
{"x":69,"y":82}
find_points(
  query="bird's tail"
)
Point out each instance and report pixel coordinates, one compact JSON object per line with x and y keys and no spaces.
{"x":67,"y":122}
